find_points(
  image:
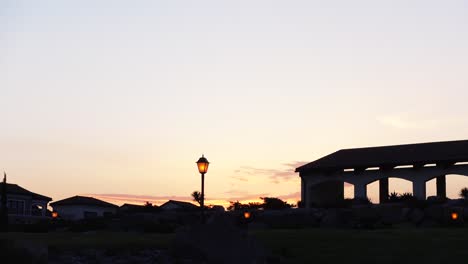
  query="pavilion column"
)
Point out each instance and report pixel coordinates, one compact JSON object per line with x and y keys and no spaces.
{"x":360,"y":190}
{"x":441,"y":187}
{"x":303,"y":192}
{"x":44,"y":209}
{"x":383,"y":190}
{"x":419,"y":189}
{"x":307,"y":193}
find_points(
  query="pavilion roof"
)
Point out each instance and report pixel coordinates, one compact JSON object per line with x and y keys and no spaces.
{"x":447,"y":152}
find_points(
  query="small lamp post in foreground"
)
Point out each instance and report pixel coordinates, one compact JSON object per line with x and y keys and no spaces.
{"x":202,"y":164}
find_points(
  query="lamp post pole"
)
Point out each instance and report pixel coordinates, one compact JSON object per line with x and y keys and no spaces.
{"x":202,"y":203}
{"x":202,"y":165}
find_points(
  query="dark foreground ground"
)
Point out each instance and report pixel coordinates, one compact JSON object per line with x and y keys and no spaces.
{"x":412,"y":245}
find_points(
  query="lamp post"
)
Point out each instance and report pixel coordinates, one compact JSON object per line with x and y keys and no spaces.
{"x":202,"y":165}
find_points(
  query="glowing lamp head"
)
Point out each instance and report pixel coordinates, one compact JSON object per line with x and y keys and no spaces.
{"x":202,"y":164}
{"x":247,"y":215}
{"x":454,"y":216}
{"x":54,"y":215}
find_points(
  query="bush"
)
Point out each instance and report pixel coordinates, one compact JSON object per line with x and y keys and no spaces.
{"x":38,"y":227}
{"x":394,"y":197}
{"x":88,"y":225}
{"x":464,"y":193}
{"x":160,"y":227}
{"x":361,"y":201}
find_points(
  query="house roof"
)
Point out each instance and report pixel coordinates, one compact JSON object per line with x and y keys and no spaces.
{"x":182,"y":205}
{"x":18,"y":190}
{"x":447,"y":152}
{"x":83,"y":200}
{"x":132,"y":205}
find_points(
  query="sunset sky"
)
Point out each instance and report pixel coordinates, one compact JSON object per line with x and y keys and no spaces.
{"x":118,"y":99}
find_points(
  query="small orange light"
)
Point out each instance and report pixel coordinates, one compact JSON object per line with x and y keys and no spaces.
{"x":54,"y":214}
{"x":454,"y":216}
{"x":247,"y":215}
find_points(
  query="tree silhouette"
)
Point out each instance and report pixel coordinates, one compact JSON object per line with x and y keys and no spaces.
{"x":269,"y":203}
{"x":464,"y":193}
{"x":196,"y":195}
{"x":273,"y":203}
{"x":3,"y":206}
{"x":237,"y":206}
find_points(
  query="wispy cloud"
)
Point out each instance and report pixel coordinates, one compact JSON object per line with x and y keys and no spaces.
{"x":240,"y":178}
{"x":292,"y":196}
{"x":241,"y":195}
{"x":407,"y":121}
{"x":238,"y":195}
{"x":275,"y":175}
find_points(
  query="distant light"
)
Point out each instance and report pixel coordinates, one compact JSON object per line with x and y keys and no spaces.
{"x":247,"y":215}
{"x":454,"y":216}
{"x":54,"y":215}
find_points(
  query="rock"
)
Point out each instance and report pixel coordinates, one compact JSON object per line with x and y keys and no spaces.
{"x":416,"y":216}
{"x":405,"y":212}
{"x":219,"y":241}
{"x":390,"y":214}
{"x":330,"y":219}
{"x":365,"y":217}
{"x":435,"y":213}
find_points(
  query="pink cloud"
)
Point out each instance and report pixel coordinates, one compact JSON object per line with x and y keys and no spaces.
{"x":275,"y":175}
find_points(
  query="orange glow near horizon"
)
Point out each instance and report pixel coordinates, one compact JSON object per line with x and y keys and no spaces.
{"x":120,"y":200}
{"x":454,"y":216}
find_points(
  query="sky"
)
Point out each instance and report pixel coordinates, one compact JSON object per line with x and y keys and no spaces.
{"x":119,"y":99}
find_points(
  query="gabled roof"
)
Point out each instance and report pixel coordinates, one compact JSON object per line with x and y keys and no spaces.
{"x":127,"y":205}
{"x":182,"y":205}
{"x":83,"y":200}
{"x":18,"y":190}
{"x":447,"y":152}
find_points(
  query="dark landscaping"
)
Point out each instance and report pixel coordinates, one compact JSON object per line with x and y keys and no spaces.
{"x":405,"y":229}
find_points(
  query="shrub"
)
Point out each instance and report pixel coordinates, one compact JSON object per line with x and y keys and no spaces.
{"x":394,"y":197}
{"x":406,"y":196}
{"x":366,"y":200}
{"x":88,"y":225}
{"x":464,"y":193}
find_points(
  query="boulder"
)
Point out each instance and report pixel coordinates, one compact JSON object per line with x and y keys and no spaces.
{"x":390,"y":213}
{"x":330,"y":219}
{"x":405,"y":212}
{"x":435,"y":213}
{"x":365,"y":217}
{"x":218,"y":241}
{"x":416,"y":216}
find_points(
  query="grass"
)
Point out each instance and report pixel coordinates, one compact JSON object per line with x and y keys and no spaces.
{"x":370,"y":246}
{"x":402,"y":245}
{"x":97,"y":240}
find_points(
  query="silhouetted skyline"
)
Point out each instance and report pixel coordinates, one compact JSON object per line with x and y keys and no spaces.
{"x":119,"y":99}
